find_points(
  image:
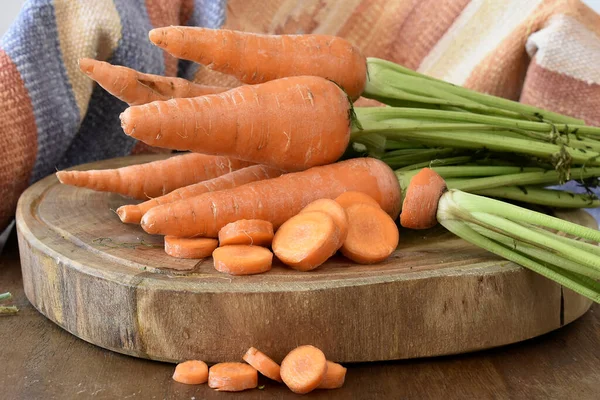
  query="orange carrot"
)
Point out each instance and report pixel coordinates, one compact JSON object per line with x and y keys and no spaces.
{"x":335,"y":211}
{"x":291,"y":123}
{"x":255,"y":58}
{"x":155,"y":178}
{"x":232,"y":377}
{"x":263,"y":364}
{"x":135,"y":88}
{"x":334,"y":378}
{"x":372,"y":234}
{"x":419,"y":207}
{"x":247,"y":231}
{"x":275,"y":200}
{"x":133,"y":213}
{"x":242,"y":259}
{"x":347,"y":199}
{"x":303,"y":369}
{"x":193,"y":372}
{"x":307,"y":240}
{"x":189,"y":247}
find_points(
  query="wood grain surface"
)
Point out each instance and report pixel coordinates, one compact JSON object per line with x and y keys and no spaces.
{"x":436,"y":295}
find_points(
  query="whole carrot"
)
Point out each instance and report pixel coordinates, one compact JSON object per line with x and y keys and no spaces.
{"x":275,"y":200}
{"x":135,"y":88}
{"x":255,"y":58}
{"x":291,"y":123}
{"x":155,"y":178}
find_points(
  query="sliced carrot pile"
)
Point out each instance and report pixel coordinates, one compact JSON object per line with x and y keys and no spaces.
{"x":335,"y":211}
{"x":372,"y":234}
{"x":232,"y":377}
{"x":349,"y":198}
{"x":420,"y":204}
{"x":306,"y":240}
{"x":247,"y":231}
{"x":190,"y":247}
{"x":334,"y":378}
{"x":263,"y":364}
{"x":303,"y":369}
{"x":193,"y":372}
{"x":242,"y":259}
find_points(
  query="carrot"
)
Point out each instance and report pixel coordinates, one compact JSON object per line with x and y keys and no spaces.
{"x":334,"y":378}
{"x":193,"y":372}
{"x":155,"y":178}
{"x":263,"y":364}
{"x":372,"y":234}
{"x":303,"y":369}
{"x":232,"y":377}
{"x":132,"y":213}
{"x":335,"y":211}
{"x":307,"y":240}
{"x":189,"y":247}
{"x":242,"y":259}
{"x":275,"y":200}
{"x":420,"y":204}
{"x":254,"y":58}
{"x":247,"y":231}
{"x":135,"y":88}
{"x":291,"y":123}
{"x":347,"y":199}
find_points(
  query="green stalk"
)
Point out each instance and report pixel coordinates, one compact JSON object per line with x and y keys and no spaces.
{"x":5,"y":296}
{"x":584,"y":246}
{"x":8,"y":310}
{"x":441,"y":161}
{"x":540,"y":196}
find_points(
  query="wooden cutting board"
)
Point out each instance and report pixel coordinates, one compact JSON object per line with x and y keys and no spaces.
{"x":112,"y":285}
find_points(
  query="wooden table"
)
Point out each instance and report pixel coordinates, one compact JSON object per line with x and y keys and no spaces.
{"x":40,"y":360}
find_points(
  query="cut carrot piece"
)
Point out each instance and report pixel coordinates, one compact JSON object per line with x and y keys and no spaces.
{"x":232,"y":377}
{"x":247,"y":231}
{"x":335,"y":211}
{"x":347,"y":199}
{"x":242,"y":259}
{"x":420,"y":204}
{"x":334,"y":378}
{"x":263,"y":364}
{"x":303,"y":369}
{"x":190,"y":247}
{"x":306,"y":240}
{"x":372,"y":234}
{"x":193,"y":372}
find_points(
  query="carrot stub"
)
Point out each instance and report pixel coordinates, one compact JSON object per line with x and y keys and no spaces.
{"x":192,"y":372}
{"x":232,"y":377}
{"x":303,"y":369}
{"x":421,"y":199}
{"x":335,"y":211}
{"x":334,"y":378}
{"x":347,"y":199}
{"x":189,"y":247}
{"x":242,"y":259}
{"x":372,"y":234}
{"x":247,"y":231}
{"x":263,"y":364}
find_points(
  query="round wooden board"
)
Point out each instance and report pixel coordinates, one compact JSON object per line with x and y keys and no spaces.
{"x":436,"y":295}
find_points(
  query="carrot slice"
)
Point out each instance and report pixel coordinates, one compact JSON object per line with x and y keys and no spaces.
{"x":247,"y":231}
{"x":263,"y":364}
{"x":190,"y":247}
{"x":242,"y":259}
{"x":420,"y":204}
{"x":335,"y":211}
{"x":334,"y":378}
{"x":372,"y":234}
{"x":349,"y":198}
{"x":232,"y":377}
{"x":306,"y":240}
{"x":303,"y":369}
{"x":192,"y":372}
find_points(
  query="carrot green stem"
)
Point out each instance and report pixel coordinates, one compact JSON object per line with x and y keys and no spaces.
{"x":8,"y":310}
{"x":437,"y":161}
{"x":5,"y":296}
{"x":592,"y":248}
{"x":540,"y":196}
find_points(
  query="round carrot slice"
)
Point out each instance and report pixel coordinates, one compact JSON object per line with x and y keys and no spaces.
{"x":334,"y":378}
{"x":190,"y":247}
{"x":232,"y":377}
{"x":372,"y":234}
{"x":335,"y":211}
{"x":306,"y":240}
{"x":419,"y":208}
{"x":303,"y":369}
{"x":349,"y":198}
{"x":263,"y":364}
{"x":247,"y":231}
{"x":242,"y":260}
{"x":193,"y":372}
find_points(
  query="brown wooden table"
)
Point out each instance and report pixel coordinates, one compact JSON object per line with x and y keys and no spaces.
{"x":40,"y":360}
